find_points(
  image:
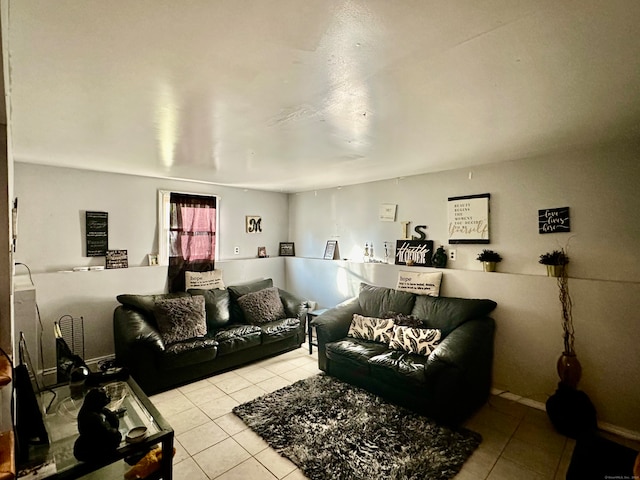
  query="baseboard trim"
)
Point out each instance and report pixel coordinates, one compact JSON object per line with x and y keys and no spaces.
{"x":604,"y":426}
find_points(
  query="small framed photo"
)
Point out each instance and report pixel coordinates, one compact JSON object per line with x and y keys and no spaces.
{"x":262,"y":252}
{"x":331,"y":250}
{"x":287,"y":249}
{"x":153,"y":259}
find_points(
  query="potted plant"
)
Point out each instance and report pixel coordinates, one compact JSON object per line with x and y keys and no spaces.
{"x":489,"y":258}
{"x":555,"y":262}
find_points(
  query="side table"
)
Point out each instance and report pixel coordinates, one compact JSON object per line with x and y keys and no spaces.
{"x":310,"y":316}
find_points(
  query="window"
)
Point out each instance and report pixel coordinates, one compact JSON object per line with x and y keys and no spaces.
{"x":188,"y":224}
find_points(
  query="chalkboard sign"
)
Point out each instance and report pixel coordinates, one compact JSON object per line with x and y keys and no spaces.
{"x":97,"y":234}
{"x":117,"y":259}
{"x":553,"y":220}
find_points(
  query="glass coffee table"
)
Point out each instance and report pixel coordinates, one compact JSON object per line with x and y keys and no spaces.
{"x":56,"y":460}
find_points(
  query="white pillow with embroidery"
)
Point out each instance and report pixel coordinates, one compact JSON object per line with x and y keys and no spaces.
{"x":370,"y":328}
{"x":204,"y":280}
{"x":421,"y":341}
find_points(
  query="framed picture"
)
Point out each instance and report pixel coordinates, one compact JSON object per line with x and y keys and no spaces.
{"x":253,"y":224}
{"x":287,"y":249}
{"x":553,"y":220}
{"x":117,"y":259}
{"x":414,"y":252}
{"x":387,"y":212}
{"x":153,"y":259}
{"x":469,"y":219}
{"x":330,"y":250}
{"x":262,"y":252}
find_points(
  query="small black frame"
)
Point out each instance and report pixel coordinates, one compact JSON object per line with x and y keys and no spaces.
{"x":287,"y":249}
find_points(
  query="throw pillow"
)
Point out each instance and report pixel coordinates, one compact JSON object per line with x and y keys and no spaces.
{"x":422,"y":341}
{"x":405,"y":320}
{"x":181,"y":318}
{"x":204,"y":280}
{"x":262,"y":306}
{"x":146,"y":303}
{"x":369,"y":328}
{"x":420,"y":283}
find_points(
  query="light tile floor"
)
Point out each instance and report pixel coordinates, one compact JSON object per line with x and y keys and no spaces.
{"x":212,"y":443}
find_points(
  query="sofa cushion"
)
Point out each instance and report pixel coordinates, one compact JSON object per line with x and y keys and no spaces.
{"x":187,"y":353}
{"x":147,"y":303}
{"x":421,"y":341}
{"x":370,"y":328}
{"x":447,"y":313}
{"x":354,"y":351}
{"x":237,"y":337}
{"x":375,"y":301}
{"x":279,"y":329}
{"x":262,"y":306}
{"x":397,"y":366}
{"x":181,"y":318}
{"x":236,"y":291}
{"x":216,"y":304}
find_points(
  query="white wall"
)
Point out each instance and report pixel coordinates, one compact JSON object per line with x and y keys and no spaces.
{"x":598,"y":185}
{"x":52,"y":204}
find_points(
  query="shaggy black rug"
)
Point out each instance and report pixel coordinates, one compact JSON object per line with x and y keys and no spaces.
{"x":333,"y":430}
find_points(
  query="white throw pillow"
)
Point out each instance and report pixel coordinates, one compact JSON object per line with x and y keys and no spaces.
{"x":204,"y":280}
{"x":420,"y":283}
{"x":370,"y":328}
{"x":422,"y":341}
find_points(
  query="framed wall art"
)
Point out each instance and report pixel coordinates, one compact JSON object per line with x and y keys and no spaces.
{"x":287,"y":249}
{"x":468,"y":218}
{"x":554,"y":220}
{"x":331,"y":250}
{"x":253,"y":224}
{"x":414,"y":252}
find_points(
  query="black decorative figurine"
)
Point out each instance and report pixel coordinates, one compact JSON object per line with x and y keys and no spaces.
{"x":439,"y":259}
{"x":98,"y":427}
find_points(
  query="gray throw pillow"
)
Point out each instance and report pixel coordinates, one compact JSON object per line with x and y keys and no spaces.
{"x":146,"y":303}
{"x":262,"y":306}
{"x":181,"y":318}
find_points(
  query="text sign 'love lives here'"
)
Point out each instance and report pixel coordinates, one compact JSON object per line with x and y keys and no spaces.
{"x":552,"y":220}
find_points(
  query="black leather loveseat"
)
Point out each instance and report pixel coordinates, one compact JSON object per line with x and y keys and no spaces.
{"x":231,"y":336}
{"x":448,"y":384}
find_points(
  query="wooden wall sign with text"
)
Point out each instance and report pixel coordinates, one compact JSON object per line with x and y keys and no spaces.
{"x":414,"y":252}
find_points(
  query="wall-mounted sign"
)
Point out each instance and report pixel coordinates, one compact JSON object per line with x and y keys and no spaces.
{"x":117,"y":259}
{"x":253,"y":224}
{"x":414,"y":252}
{"x":387,"y":212}
{"x":469,"y":219}
{"x":97,"y":233}
{"x":552,"y":220}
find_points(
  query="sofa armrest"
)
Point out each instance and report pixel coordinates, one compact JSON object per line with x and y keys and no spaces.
{"x":468,"y":344}
{"x":294,"y":306}
{"x":132,"y":329}
{"x":333,"y":325}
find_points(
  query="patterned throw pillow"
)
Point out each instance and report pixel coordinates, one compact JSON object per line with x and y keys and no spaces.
{"x":262,"y":306}
{"x":422,"y":341}
{"x":181,"y":318}
{"x":370,"y":328}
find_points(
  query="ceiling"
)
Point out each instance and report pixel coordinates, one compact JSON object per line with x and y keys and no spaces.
{"x":294,"y":95}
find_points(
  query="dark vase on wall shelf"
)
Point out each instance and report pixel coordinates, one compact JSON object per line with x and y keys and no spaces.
{"x":439,"y":259}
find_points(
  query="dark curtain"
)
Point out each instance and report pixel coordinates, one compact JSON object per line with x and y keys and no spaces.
{"x":192,"y":237}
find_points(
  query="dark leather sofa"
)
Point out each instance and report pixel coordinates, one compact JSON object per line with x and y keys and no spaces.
{"x":230,"y":340}
{"x":449,"y":384}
